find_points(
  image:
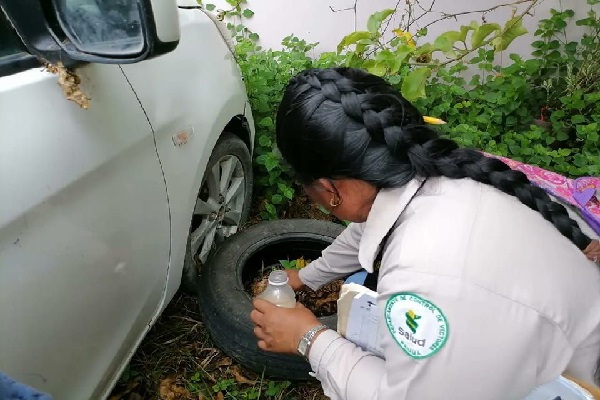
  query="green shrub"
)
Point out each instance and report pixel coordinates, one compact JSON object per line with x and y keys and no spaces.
{"x":494,"y":110}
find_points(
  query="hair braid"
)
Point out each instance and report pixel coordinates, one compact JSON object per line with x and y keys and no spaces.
{"x":377,"y":109}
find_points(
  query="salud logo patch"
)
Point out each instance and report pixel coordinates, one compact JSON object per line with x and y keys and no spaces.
{"x":417,"y":325}
{"x":411,"y":321}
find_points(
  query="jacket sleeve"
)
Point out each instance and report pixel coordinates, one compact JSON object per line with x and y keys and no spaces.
{"x":338,"y":260}
{"x":465,"y":343}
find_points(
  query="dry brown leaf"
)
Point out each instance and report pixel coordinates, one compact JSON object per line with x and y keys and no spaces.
{"x":220,"y":396}
{"x":170,"y":390}
{"x":70,"y":84}
{"x":224,"y":362}
{"x":330,"y":298}
{"x":239,"y":377}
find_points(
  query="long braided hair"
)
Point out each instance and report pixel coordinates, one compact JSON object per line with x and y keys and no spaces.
{"x":345,"y":123}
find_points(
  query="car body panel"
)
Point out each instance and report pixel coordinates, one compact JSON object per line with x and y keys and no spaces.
{"x":194,"y":95}
{"x":84,"y":229}
{"x":96,"y":204}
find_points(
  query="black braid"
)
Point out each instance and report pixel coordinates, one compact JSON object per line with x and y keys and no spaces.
{"x":381,"y":118}
{"x":437,"y":156}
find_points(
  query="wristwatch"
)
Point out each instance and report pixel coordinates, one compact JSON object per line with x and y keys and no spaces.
{"x":307,"y":339}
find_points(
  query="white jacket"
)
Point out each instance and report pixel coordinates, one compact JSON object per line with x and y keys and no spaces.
{"x":479,"y":298}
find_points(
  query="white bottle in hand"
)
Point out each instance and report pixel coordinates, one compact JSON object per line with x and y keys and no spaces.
{"x":278,"y":291}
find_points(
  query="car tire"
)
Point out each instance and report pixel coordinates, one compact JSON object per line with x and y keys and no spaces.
{"x":229,"y":147}
{"x":225,"y":305}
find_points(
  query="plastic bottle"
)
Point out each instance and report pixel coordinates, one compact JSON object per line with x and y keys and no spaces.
{"x":278,"y":291}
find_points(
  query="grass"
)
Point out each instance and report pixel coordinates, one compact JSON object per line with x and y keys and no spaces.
{"x":178,"y":360}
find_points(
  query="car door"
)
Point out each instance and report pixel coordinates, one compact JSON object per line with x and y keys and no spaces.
{"x":84,"y":225}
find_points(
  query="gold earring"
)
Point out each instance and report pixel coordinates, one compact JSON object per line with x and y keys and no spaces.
{"x":335,"y":202}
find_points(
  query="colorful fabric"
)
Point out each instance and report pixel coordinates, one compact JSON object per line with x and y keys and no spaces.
{"x":581,"y":193}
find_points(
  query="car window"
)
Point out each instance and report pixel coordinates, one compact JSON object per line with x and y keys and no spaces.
{"x":102,"y":26}
{"x":9,"y":41}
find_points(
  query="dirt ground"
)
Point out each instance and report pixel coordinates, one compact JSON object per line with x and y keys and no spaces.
{"x":178,"y":361}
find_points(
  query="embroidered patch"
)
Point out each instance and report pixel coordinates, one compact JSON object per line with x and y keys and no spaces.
{"x":418,"y":326}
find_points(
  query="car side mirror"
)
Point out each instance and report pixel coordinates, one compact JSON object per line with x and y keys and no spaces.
{"x":100,"y":31}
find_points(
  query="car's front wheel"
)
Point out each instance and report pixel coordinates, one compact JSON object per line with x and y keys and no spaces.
{"x":222,"y":205}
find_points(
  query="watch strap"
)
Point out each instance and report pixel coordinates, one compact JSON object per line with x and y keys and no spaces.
{"x":308,"y":337}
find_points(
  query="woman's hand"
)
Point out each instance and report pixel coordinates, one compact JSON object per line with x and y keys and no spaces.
{"x":280,"y":329}
{"x":294,"y":279}
{"x":592,"y":252}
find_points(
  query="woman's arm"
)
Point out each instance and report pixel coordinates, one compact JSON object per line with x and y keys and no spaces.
{"x":338,"y":260}
{"x":443,"y":339}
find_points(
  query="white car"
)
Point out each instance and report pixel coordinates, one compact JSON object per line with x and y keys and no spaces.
{"x":112,"y":182}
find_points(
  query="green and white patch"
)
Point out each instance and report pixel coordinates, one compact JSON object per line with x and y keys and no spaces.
{"x":418,"y":326}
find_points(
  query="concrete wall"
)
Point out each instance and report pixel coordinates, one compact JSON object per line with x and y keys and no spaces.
{"x":314,"y":20}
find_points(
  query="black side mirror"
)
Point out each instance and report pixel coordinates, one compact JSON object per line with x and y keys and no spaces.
{"x":101,"y":31}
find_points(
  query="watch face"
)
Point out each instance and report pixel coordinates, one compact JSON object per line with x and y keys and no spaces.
{"x":302,"y":346}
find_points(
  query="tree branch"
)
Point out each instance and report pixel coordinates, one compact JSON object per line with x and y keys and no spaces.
{"x":353,"y":8}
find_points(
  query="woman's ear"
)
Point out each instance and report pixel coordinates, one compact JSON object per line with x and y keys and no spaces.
{"x":325,"y":185}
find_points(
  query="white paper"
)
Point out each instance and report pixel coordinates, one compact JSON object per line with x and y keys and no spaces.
{"x":562,"y":388}
{"x":363,"y":323}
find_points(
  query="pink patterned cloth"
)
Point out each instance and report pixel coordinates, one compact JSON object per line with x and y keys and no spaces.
{"x":582,"y":193}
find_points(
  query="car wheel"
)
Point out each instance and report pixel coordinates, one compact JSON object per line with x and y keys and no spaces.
{"x":225,"y":302}
{"x":222,"y":205}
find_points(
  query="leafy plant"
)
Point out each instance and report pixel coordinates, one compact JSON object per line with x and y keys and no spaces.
{"x":287,"y":264}
{"x":266,"y":73}
{"x":409,"y":64}
{"x":275,"y":388}
{"x":235,"y":389}
{"x":495,"y":110}
{"x":294,"y":264}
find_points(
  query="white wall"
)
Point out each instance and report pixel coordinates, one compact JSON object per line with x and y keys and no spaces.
{"x":314,"y":21}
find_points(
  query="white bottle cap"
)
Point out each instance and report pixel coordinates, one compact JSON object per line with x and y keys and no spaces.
{"x":278,"y":278}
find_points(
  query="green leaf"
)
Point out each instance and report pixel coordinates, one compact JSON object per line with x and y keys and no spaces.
{"x":353,"y":38}
{"x":253,"y":36}
{"x":270,"y":208}
{"x":260,"y":160}
{"x":413,"y":86}
{"x":562,"y":136}
{"x":248,"y":13}
{"x":264,"y":140}
{"x":271,"y":163}
{"x":210,"y":7}
{"x":378,"y":69}
{"x":580,"y":160}
{"x":578,"y":119}
{"x":266,"y":122}
{"x":445,"y":42}
{"x":402,"y":53}
{"x":481,"y":33}
{"x":512,"y":30}
{"x":376,"y":19}
{"x":277,"y":199}
{"x":465,"y":29}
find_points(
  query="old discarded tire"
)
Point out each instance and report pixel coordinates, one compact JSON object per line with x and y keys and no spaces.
{"x":225,"y":304}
